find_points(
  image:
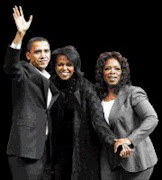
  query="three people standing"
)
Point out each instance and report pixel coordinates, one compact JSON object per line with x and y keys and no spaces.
{"x":58,"y":124}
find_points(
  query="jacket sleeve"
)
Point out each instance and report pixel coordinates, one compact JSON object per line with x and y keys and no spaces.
{"x":100,"y":125}
{"x":147,"y":116}
{"x":12,"y":65}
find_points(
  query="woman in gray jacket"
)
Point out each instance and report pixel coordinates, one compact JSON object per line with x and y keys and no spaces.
{"x":130,"y":116}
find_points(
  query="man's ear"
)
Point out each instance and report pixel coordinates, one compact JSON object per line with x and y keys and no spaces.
{"x":28,"y":56}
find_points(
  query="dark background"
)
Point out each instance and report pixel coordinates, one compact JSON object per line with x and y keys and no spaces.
{"x":131,"y":28}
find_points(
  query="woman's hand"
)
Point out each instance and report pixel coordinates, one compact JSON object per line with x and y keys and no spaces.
{"x":126,"y":151}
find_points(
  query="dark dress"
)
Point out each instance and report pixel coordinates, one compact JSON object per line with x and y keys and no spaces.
{"x":63,"y":110}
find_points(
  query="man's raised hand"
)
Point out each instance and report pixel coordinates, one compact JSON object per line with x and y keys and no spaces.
{"x":21,"y":24}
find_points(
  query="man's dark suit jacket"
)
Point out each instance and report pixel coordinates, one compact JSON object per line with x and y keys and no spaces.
{"x":29,"y":116}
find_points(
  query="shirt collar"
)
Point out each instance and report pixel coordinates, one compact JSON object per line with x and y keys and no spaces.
{"x":44,"y":72}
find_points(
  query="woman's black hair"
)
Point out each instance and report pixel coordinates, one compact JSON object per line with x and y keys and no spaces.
{"x":72,"y":54}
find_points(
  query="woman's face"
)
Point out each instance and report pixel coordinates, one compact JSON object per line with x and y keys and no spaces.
{"x":112,"y":72}
{"x":64,"y":67}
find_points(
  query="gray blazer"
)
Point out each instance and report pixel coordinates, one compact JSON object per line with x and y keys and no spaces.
{"x":133,"y":116}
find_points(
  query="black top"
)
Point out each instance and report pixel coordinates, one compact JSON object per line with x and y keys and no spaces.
{"x":62,"y":117}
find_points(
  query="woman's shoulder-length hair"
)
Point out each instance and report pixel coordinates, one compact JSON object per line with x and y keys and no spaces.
{"x":72,"y":54}
{"x":101,"y":86}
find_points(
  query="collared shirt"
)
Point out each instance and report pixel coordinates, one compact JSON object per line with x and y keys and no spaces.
{"x":49,"y":95}
{"x":46,"y":75}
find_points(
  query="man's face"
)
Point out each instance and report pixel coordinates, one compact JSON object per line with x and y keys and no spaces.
{"x":39,"y":55}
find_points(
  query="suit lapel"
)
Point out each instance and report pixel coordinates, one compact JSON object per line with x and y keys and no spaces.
{"x":38,"y":77}
{"x":45,"y":86}
{"x":55,"y":94}
{"x":39,"y":80}
{"x":119,"y":101}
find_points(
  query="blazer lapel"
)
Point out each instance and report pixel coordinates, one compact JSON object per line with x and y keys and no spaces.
{"x":55,"y":94}
{"x":39,"y":80}
{"x":119,"y":101}
{"x":38,"y":77}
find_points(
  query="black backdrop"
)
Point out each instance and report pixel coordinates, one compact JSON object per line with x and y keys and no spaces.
{"x":130,"y":28}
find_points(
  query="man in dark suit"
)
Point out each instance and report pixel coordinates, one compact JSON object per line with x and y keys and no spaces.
{"x":27,"y":147}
